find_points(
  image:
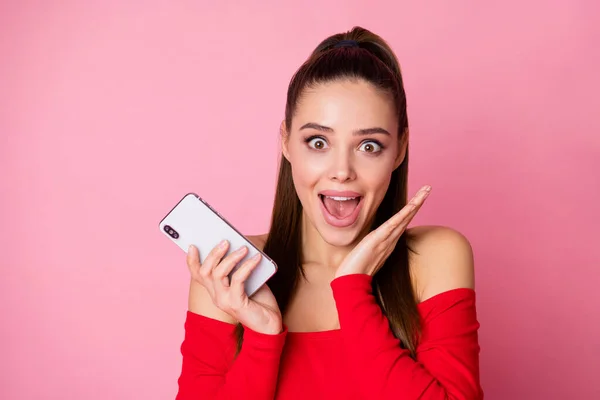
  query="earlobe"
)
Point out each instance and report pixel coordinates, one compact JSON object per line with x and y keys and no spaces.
{"x":284,"y":136}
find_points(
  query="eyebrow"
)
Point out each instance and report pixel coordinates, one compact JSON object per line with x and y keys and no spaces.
{"x":358,"y":132}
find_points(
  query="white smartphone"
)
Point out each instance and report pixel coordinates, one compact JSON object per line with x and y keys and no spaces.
{"x":194,"y":222}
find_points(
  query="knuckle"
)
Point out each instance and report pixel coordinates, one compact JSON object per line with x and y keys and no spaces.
{"x":204,"y":273}
{"x":213,"y":254}
{"x":218,"y":273}
{"x":189,"y":260}
{"x":193,"y":264}
{"x":389,"y":229}
{"x":237,"y":278}
{"x":195,"y":275}
{"x":216,"y":253}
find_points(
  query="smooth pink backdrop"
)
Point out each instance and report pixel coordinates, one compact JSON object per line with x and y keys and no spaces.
{"x":109,"y":113}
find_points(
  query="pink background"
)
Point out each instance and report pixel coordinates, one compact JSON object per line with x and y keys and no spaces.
{"x":110,"y":113}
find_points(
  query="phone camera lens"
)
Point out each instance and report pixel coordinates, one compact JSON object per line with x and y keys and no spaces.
{"x":171,"y":232}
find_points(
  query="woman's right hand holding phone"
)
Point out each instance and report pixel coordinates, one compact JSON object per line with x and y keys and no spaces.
{"x":259,"y":313}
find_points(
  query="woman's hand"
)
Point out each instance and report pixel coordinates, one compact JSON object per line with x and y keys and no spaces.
{"x":259,"y":313}
{"x":370,"y":254}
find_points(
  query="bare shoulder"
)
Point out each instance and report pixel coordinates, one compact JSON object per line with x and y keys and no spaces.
{"x":199,"y":300}
{"x":441,"y":260}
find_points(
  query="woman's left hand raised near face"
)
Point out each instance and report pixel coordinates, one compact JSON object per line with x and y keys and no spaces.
{"x":372,"y":251}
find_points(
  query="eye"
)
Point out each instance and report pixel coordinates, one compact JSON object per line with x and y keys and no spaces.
{"x":316,"y":143}
{"x":371,"y":147}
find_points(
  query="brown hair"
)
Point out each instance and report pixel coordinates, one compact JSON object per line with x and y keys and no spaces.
{"x":372,"y":61}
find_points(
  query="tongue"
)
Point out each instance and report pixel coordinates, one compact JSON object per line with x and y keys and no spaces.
{"x":340,"y":209}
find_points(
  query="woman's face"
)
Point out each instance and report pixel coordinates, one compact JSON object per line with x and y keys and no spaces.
{"x":343,"y":147}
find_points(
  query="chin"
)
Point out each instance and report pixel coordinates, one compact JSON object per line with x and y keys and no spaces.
{"x":338,"y":237}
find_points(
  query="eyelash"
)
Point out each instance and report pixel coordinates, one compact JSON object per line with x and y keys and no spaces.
{"x":311,"y":138}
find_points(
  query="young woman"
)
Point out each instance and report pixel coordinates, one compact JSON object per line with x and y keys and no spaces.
{"x":361,"y":307}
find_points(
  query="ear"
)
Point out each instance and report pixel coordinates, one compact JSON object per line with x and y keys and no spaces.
{"x":285,"y":136}
{"x":403,"y":146}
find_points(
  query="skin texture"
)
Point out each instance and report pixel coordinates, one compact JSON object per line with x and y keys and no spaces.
{"x":337,"y":141}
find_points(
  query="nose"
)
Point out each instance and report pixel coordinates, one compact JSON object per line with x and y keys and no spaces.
{"x":342,"y":168}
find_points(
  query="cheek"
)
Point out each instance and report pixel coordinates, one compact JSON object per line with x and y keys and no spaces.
{"x":305,"y":175}
{"x":306,"y":171}
{"x":306,"y":168}
{"x":375,"y":175}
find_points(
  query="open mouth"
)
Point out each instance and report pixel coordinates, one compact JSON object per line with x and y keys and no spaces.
{"x":340,"y":210}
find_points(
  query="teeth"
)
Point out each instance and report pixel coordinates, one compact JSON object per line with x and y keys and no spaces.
{"x":341,"y":198}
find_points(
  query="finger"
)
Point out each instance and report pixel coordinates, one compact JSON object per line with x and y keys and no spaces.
{"x":193,"y":262}
{"x":204,"y":272}
{"x":222,"y":271}
{"x":403,"y":217}
{"x":419,"y":198}
{"x":240,"y":276}
{"x":410,"y":210}
{"x":213,"y":259}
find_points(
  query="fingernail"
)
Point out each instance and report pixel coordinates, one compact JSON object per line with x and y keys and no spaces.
{"x":223,"y":243}
{"x":427,"y":188}
{"x":256,"y":256}
{"x":190,"y":248}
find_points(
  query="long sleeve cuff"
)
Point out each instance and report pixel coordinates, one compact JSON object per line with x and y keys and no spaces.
{"x":264,"y":346}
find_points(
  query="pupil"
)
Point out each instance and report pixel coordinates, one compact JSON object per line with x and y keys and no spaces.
{"x":369,"y":147}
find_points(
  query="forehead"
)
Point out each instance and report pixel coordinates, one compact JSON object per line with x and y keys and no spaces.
{"x":346,"y":106}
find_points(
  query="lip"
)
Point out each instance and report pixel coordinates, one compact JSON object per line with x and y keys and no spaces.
{"x":337,"y":193}
{"x":343,"y":222}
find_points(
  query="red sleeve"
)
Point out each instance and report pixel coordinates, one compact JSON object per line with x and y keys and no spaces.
{"x":209,"y":370}
{"x":447,"y":364}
